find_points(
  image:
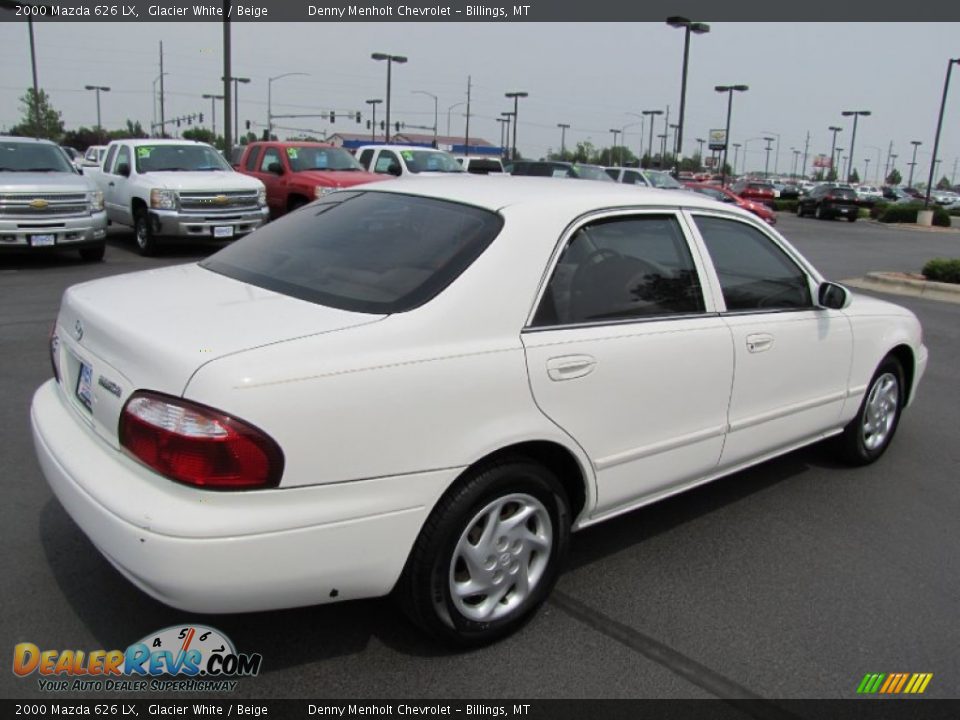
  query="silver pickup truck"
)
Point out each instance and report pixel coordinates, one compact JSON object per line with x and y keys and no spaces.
{"x":45,"y":203}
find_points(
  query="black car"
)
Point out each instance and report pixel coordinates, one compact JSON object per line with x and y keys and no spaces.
{"x":830,"y":201}
{"x":550,"y":168}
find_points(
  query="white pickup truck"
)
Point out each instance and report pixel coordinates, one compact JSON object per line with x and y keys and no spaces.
{"x":177,"y":189}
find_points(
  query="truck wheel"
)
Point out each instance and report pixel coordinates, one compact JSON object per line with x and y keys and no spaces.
{"x":94,"y":253}
{"x":146,"y":242}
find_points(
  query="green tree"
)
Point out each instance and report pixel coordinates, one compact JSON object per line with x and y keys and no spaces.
{"x":854,"y":177}
{"x":944,"y":183}
{"x":832,"y":175}
{"x":42,"y":121}
{"x":132,"y":130}
{"x":585,"y":152}
{"x":894,"y":178}
{"x":203,"y":135}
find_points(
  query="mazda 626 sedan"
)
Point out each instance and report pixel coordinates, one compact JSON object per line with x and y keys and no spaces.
{"x":425,"y":385}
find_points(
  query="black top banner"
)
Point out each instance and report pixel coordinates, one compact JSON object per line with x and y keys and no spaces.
{"x":530,"y":11}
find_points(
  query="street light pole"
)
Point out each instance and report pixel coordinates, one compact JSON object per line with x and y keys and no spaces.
{"x":213,"y":111}
{"x":516,"y":95}
{"x":766,"y":165}
{"x":390,"y":60}
{"x":736,"y":151}
{"x":98,"y":89}
{"x":506,"y":146}
{"x":270,"y":99}
{"x":729,"y":90}
{"x":936,"y":140}
{"x":373,"y":125}
{"x":776,"y":156}
{"x":853,"y":137}
{"x":913,"y":162}
{"x":563,"y":138}
{"x":615,"y":132}
{"x":652,"y":114}
{"x":688,"y":27}
{"x":435,"y":111}
{"x":833,"y":148}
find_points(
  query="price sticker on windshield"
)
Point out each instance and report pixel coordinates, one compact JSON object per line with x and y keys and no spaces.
{"x":143,"y":152}
{"x":292,"y":153}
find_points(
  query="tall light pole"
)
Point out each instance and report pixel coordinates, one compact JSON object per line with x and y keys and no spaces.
{"x":373,"y":124}
{"x":236,"y":105}
{"x":736,"y":151}
{"x":435,"y":111}
{"x":796,"y":159}
{"x":876,"y":168}
{"x":504,"y":123}
{"x":508,"y":117}
{"x":729,"y":90}
{"x":833,"y":148}
{"x":615,"y":132}
{"x":893,"y":165}
{"x":936,"y":140}
{"x":516,"y":95}
{"x":35,"y":105}
{"x":689,"y":27}
{"x":270,"y":82}
{"x":652,"y":114}
{"x":400,"y":59}
{"x":563,"y":138}
{"x":213,"y":111}
{"x":853,"y":137}
{"x":158,"y":77}
{"x":448,"y":114}
{"x":643,"y":121}
{"x":913,"y":162}
{"x":662,"y":137}
{"x":98,"y":89}
{"x":776,"y":155}
{"x":766,"y":165}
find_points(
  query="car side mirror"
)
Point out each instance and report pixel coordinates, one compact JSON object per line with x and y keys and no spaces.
{"x":833,"y":296}
{"x":123,"y":169}
{"x":275,"y":168}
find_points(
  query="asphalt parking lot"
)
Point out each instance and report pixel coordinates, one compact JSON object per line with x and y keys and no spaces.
{"x":790,"y":580}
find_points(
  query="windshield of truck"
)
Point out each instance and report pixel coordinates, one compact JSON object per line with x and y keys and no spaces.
{"x":591,"y":172}
{"x":32,"y":157}
{"x":663,"y":180}
{"x":430,"y":161}
{"x":304,"y":157}
{"x":173,"y":158}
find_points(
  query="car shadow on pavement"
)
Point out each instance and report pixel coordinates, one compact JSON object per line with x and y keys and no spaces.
{"x":635,"y":527}
{"x":117,"y":614}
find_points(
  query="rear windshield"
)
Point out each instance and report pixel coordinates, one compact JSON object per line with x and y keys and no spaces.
{"x":304,"y":158}
{"x":591,"y":172}
{"x":370,"y":252}
{"x":484,"y":167}
{"x":843,"y":193}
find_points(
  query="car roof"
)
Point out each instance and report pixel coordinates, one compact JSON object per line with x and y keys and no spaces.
{"x":382,"y":146}
{"x":154,"y":141}
{"x":497,"y":192}
{"x":298,"y":143}
{"x":17,"y":138}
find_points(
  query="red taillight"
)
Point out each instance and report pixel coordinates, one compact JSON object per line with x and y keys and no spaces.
{"x":197,"y":445}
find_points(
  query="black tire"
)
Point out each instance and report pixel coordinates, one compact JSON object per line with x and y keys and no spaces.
{"x":856,"y":446}
{"x":94,"y":253}
{"x":435,"y":562}
{"x":799,"y":209}
{"x":819,"y":214}
{"x":296,"y":204}
{"x":851,"y":218}
{"x":143,"y":233}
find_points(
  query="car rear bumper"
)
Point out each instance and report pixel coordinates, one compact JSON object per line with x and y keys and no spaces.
{"x":170,"y":223}
{"x":212,"y":552}
{"x":73,"y":232}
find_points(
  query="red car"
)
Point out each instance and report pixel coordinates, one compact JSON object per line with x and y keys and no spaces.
{"x":756,"y":190}
{"x":297,"y":173}
{"x":726,"y":195}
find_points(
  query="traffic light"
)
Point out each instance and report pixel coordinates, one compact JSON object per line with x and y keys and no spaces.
{"x":358,"y":117}
{"x":201,"y":118}
{"x":248,"y":124}
{"x":266,"y":134}
{"x":383,"y":125}
{"x":178,"y":122}
{"x":333,"y":116}
{"x":397,"y":126}
{"x":368,"y":124}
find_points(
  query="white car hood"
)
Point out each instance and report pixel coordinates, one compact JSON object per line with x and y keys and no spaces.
{"x":214,"y":180}
{"x":158,"y":327}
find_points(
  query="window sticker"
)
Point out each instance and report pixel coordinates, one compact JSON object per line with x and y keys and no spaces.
{"x":144,"y":152}
{"x":407,"y":155}
{"x":292,"y":153}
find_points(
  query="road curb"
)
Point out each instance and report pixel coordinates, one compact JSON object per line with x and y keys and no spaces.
{"x":899,"y":284}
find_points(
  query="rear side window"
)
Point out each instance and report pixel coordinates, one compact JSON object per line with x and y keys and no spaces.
{"x":622,"y":268}
{"x":754,"y":272}
{"x":369,"y":252}
{"x":251,"y":165}
{"x":484,"y":167}
{"x":365,"y":157}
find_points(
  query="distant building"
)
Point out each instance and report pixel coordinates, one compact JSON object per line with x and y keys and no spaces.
{"x":451,"y":143}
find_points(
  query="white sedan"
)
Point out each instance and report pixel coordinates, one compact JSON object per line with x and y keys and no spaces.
{"x":426,"y":385}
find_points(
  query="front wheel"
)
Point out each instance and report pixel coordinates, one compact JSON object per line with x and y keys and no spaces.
{"x":799,"y":209}
{"x":820,"y":214}
{"x":489,"y":554}
{"x":851,"y":218}
{"x":869,"y":434}
{"x":146,"y":242}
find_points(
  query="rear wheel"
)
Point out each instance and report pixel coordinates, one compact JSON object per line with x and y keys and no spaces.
{"x":94,"y":253}
{"x":489,"y":554}
{"x":799,"y":209}
{"x":869,"y":434}
{"x":819,"y":213}
{"x":851,"y":218}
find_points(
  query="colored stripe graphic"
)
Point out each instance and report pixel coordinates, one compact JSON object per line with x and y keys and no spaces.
{"x":894,"y":683}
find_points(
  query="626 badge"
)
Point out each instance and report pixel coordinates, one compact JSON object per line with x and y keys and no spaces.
{"x":189,"y":650}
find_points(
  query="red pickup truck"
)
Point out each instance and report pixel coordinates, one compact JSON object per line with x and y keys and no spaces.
{"x":296,"y":173}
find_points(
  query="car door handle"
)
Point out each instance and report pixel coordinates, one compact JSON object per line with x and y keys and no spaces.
{"x":759,"y":342}
{"x":568,"y":367}
{"x":110,"y":183}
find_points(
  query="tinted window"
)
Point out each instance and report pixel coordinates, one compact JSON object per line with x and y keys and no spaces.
{"x":387,"y":162}
{"x":754,"y":273}
{"x":614,"y":173}
{"x":32,"y":157}
{"x":108,"y":163}
{"x":365,"y":157}
{"x":484,"y":167}
{"x":252,"y":159}
{"x":362,"y":251}
{"x":622,"y":268}
{"x":123,"y":156}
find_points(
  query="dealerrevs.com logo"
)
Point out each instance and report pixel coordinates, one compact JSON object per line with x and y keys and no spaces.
{"x":192,"y":658}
